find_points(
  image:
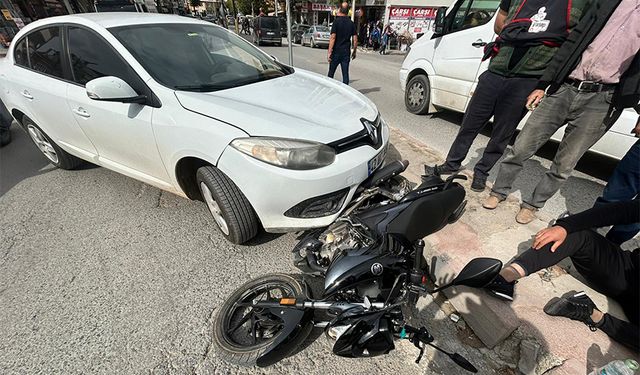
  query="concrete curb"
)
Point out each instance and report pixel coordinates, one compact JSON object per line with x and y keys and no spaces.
{"x":519,"y":333}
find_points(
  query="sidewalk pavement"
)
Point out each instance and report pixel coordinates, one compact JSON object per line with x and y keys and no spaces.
{"x":519,"y":334}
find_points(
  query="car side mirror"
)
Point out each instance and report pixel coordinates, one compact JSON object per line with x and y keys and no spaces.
{"x":476,"y":274}
{"x":113,"y":89}
{"x":441,"y":13}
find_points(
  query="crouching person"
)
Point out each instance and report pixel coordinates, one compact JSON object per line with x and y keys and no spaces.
{"x":607,"y":268}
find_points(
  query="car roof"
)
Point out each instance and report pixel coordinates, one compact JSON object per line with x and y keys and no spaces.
{"x":116,"y":19}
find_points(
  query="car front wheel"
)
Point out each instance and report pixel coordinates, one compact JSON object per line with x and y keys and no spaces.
{"x":230,"y":209}
{"x":417,"y":95}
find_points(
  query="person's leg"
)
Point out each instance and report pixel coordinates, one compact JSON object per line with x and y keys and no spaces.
{"x":480,"y":109}
{"x":333,"y":65}
{"x":344,"y":65}
{"x":585,"y":127}
{"x":623,"y":332}
{"x":509,"y":111}
{"x":623,"y":185}
{"x":545,"y":120}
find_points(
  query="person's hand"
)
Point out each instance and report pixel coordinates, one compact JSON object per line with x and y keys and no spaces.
{"x":555,"y":234}
{"x":353,"y":55}
{"x":636,"y":130}
{"x":534,"y":99}
{"x":329,"y":57}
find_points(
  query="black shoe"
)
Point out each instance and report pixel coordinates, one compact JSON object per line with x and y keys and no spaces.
{"x":438,"y":170}
{"x":575,"y":306}
{"x":479,"y":184}
{"x":501,"y":288}
{"x":5,"y":137}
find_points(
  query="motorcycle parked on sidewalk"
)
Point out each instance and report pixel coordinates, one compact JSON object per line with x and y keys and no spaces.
{"x":371,"y":262}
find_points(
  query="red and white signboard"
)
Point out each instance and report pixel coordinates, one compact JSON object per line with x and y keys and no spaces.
{"x":403,"y":13}
{"x":321,"y":7}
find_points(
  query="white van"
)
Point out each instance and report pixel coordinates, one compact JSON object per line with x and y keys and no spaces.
{"x":441,"y":71}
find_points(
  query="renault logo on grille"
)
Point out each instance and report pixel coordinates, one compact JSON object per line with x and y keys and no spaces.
{"x":372,"y":131}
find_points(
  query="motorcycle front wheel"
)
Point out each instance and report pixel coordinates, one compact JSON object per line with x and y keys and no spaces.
{"x":244,"y":334}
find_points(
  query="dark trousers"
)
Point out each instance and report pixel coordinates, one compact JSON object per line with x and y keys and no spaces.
{"x":343,"y":59}
{"x":504,"y":99}
{"x":623,"y":185}
{"x":608,"y":269}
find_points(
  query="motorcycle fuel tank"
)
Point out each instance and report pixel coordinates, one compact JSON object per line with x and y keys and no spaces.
{"x":352,"y":268}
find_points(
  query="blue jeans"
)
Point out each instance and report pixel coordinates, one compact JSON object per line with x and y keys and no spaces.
{"x":343,"y":59}
{"x":623,"y":185}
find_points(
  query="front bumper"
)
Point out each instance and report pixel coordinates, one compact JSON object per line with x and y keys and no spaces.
{"x":272,"y":191}
{"x":403,"y":78}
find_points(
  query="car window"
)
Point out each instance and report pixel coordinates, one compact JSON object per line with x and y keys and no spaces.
{"x":91,"y":58}
{"x":472,"y":13}
{"x":322,"y":29}
{"x":20,"y":55}
{"x":270,"y":23}
{"x":45,"y":51}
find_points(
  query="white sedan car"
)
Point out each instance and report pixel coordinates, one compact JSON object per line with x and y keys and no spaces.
{"x":193,"y":109}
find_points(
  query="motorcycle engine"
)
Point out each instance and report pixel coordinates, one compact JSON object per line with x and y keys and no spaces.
{"x":316,"y":251}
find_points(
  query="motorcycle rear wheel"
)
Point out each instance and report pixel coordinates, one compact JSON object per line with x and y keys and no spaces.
{"x":243,"y":333}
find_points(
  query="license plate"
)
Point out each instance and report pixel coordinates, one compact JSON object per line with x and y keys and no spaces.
{"x":270,"y":33}
{"x":377,"y":161}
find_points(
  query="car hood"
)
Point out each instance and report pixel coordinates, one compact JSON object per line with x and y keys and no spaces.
{"x":301,"y":105}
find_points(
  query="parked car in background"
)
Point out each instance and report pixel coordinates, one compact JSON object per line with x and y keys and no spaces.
{"x":296,"y":32}
{"x":266,"y":29}
{"x":316,"y":36}
{"x":441,"y":71}
{"x":205,"y":121}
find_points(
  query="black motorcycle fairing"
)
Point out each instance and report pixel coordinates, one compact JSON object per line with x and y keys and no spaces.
{"x":368,"y":335}
{"x":356,"y":268}
{"x":294,"y":320}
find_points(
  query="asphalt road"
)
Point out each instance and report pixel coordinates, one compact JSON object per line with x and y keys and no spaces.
{"x":100,"y":273}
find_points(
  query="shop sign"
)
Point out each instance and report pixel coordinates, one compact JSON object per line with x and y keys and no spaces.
{"x":6,"y":14}
{"x":400,"y":13}
{"x":320,"y":7}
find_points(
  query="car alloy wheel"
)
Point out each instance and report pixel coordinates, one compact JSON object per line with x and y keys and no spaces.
{"x":43,"y":144}
{"x":416,"y":94}
{"x":214,"y":208}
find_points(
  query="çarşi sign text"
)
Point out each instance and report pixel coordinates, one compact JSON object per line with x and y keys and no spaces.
{"x":409,"y":12}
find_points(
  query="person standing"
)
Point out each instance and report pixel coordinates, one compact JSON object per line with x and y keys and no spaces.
{"x":343,"y":38}
{"x":592,"y":78}
{"x":5,"y":125}
{"x":624,"y":184}
{"x":529,"y":34}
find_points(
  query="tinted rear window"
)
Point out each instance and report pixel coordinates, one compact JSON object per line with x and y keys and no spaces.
{"x":270,"y":23}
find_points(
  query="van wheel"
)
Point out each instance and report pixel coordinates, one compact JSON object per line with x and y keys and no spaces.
{"x":230,"y":209}
{"x":312,"y":43}
{"x":417,"y":95}
{"x":56,"y":156}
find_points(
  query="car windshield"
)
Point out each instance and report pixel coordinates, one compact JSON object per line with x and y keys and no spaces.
{"x":196,"y":57}
{"x":322,"y":29}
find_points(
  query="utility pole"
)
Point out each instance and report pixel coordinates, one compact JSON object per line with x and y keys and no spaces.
{"x":289,"y":40}
{"x":276,"y":2}
{"x":353,"y":11}
{"x":235,"y":16}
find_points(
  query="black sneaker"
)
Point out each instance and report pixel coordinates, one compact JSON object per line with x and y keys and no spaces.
{"x":575,"y":306}
{"x":501,"y":288}
{"x":438,"y":170}
{"x":478,"y":184}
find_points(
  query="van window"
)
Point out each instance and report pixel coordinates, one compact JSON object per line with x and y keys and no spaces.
{"x":472,"y":13}
{"x":270,"y":23}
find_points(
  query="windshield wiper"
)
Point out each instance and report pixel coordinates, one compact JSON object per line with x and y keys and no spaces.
{"x":201,"y":88}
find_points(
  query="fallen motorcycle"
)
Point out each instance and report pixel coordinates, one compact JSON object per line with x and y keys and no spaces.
{"x":371,"y":262}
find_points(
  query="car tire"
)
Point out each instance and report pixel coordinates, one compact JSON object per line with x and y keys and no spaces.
{"x":231,"y":210}
{"x":417,"y":95}
{"x":56,"y":156}
{"x":312,"y":43}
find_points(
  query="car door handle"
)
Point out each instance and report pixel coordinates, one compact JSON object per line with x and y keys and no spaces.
{"x":479,"y":43}
{"x":81,"y":112}
{"x":26,"y":94}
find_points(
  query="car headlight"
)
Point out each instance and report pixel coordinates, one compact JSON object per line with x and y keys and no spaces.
{"x":286,"y":153}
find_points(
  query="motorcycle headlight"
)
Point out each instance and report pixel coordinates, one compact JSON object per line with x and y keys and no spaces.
{"x":286,"y":153}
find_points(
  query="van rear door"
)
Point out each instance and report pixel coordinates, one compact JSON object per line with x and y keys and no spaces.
{"x":458,"y":53}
